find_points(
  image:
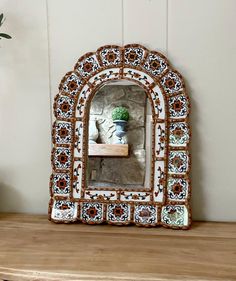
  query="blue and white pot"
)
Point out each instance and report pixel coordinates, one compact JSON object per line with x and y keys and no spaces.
{"x":120,"y":130}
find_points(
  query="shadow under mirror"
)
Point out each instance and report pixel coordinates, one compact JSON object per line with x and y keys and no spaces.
{"x":120,"y":138}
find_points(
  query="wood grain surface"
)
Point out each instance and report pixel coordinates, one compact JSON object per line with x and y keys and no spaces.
{"x":32,"y":248}
{"x":108,"y":150}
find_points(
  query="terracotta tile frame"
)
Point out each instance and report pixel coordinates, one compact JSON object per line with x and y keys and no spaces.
{"x":166,"y":201}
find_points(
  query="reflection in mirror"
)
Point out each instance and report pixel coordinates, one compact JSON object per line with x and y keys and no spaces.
{"x":119,"y":138}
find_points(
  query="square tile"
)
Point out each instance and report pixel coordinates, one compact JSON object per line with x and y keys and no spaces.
{"x":64,"y":107}
{"x":178,"y":106}
{"x":64,"y":211}
{"x":62,"y":133}
{"x":145,"y":214}
{"x":88,"y":66}
{"x":133,"y":55}
{"x":178,"y":162}
{"x":118,"y":213}
{"x":61,"y":158}
{"x":155,"y":64}
{"x":172,"y":82}
{"x":175,"y":215}
{"x":110,"y":55}
{"x":179,"y":134}
{"x":71,"y":84}
{"x":177,"y":189}
{"x":61,"y":184}
{"x":92,"y":212}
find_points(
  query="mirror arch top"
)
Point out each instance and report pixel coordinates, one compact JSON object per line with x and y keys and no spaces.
{"x":166,"y":202}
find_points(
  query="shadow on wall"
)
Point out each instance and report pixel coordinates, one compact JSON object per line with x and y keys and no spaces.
{"x":11,"y":199}
{"x":198,"y":201}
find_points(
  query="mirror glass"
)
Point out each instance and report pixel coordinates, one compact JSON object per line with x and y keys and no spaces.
{"x":120,"y":138}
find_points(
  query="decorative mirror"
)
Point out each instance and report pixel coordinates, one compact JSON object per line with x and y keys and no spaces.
{"x":121,"y":141}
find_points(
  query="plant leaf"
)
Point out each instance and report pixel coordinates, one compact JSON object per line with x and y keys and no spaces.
{"x":4,"y":35}
{"x":1,"y":19}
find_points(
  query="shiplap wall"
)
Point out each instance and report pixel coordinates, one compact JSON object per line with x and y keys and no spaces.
{"x":48,"y":38}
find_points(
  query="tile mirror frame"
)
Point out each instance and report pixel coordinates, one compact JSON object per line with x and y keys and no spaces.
{"x":166,"y":202}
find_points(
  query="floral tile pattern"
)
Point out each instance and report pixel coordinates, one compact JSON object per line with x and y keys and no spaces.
{"x":64,"y":211}
{"x":178,"y":162}
{"x":135,"y":196}
{"x":179,"y":134}
{"x":63,"y":133}
{"x":158,"y":102}
{"x":64,"y":107}
{"x":145,"y":214}
{"x":82,"y":100}
{"x":103,"y":195}
{"x":92,"y":212}
{"x":87,"y":66}
{"x":155,"y":64}
{"x":133,"y":55}
{"x":77,"y":179}
{"x":118,"y":213}
{"x":61,"y":183}
{"x":174,"y":215}
{"x":139,"y":76}
{"x":71,"y":84}
{"x":110,"y":56}
{"x":168,"y":193}
{"x":177,"y":189}
{"x":160,"y":140}
{"x":172,"y":82}
{"x":78,"y":141}
{"x":178,"y":107}
{"x":159,"y":181}
{"x":62,"y":158}
{"x":104,"y":76}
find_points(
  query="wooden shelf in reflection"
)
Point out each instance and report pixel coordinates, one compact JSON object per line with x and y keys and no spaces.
{"x":108,"y":150}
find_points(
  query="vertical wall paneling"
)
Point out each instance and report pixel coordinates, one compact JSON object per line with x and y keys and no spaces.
{"x":145,"y":23}
{"x":24,"y":108}
{"x":202,"y":46}
{"x":78,"y":28}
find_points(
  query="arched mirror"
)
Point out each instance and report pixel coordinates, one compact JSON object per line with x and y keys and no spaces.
{"x":121,"y":141}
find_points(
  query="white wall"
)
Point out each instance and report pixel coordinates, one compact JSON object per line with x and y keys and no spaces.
{"x":24,"y":108}
{"x":197,"y":37}
{"x":201,"y":45}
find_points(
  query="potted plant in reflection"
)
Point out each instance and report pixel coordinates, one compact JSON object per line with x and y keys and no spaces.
{"x":120,"y":117}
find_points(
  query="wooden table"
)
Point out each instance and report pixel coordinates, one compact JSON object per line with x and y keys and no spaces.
{"x":32,"y":248}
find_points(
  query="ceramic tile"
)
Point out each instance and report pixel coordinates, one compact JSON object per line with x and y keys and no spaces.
{"x":118,"y":213}
{"x":92,"y":212}
{"x":145,"y":214}
{"x":178,"y":162}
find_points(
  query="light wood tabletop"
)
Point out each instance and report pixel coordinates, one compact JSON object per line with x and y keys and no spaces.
{"x":32,"y":248}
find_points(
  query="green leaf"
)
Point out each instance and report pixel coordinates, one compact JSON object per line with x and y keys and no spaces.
{"x":4,"y":35}
{"x":120,"y":113}
{"x":1,"y":19}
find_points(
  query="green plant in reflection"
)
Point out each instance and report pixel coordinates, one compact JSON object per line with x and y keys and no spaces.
{"x":120,"y":113}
